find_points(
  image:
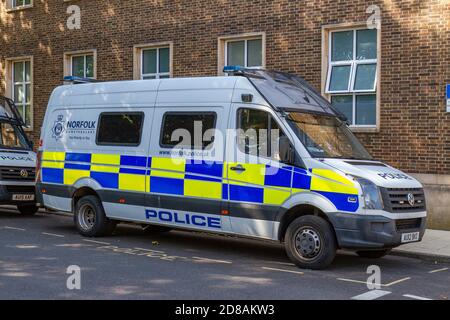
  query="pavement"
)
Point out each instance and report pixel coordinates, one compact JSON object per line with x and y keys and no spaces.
{"x":434,"y":246}
{"x":36,"y":255}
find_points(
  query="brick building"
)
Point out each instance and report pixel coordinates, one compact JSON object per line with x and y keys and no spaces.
{"x":390,"y":81}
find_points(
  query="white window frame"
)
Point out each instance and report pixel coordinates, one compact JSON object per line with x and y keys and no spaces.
{"x":158,"y":74}
{"x":68,"y":61}
{"x":354,"y":63}
{"x":138,"y":58}
{"x":84,"y":55}
{"x":12,"y":6}
{"x":327,"y":31}
{"x":222,"y":48}
{"x":10,"y":86}
{"x":354,"y":95}
{"x":245,"y":40}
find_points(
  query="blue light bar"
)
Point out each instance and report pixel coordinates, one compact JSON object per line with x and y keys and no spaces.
{"x":78,"y":79}
{"x":231,"y":69}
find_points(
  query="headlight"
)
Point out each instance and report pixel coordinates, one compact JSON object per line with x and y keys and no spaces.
{"x":371,"y":194}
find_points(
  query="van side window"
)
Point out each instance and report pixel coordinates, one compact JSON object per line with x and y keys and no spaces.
{"x":254,"y":136}
{"x":120,"y":129}
{"x":182,"y":129}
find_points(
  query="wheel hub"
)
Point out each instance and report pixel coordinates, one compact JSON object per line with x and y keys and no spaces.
{"x":87,"y":217}
{"x":307,"y":243}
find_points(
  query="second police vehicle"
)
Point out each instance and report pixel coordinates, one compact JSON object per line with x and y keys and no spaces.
{"x":256,"y":154}
{"x":17,"y":161}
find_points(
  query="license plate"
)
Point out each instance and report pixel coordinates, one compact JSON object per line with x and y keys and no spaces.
{"x":23,"y":197}
{"x":410,"y":237}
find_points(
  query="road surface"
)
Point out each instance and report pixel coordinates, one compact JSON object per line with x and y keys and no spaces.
{"x":35,"y":253}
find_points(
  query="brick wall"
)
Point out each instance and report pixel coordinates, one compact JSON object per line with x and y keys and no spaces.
{"x":414,"y":130}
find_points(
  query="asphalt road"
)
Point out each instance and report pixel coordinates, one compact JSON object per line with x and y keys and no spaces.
{"x":35,"y":253}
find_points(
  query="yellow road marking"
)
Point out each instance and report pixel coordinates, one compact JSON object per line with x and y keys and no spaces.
{"x":149,"y":250}
{"x":53,"y":234}
{"x":13,"y":228}
{"x":211,"y":260}
{"x":383,"y":285}
{"x":415,"y":297}
{"x":397,"y":281}
{"x":438,"y":270}
{"x":351,"y":280}
{"x":97,"y":242}
{"x":282,"y":270}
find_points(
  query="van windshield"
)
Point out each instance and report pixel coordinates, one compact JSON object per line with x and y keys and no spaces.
{"x":326,"y":136}
{"x":11,"y":137}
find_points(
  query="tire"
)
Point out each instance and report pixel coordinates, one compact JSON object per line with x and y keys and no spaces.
{"x":310,"y":242}
{"x":90,"y":218}
{"x":373,"y":254}
{"x":149,"y":228}
{"x":28,"y":210}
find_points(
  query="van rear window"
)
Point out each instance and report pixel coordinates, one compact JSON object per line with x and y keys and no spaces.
{"x":120,"y":129}
{"x":179,"y":129}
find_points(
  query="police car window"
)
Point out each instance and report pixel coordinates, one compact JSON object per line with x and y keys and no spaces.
{"x":122,"y":129}
{"x":182,"y":130}
{"x":254,"y":136}
{"x":11,"y":137}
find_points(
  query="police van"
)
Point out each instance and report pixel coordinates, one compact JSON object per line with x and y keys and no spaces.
{"x":17,"y":161}
{"x":256,"y":154}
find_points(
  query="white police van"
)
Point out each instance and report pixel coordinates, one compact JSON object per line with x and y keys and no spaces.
{"x":17,"y":161}
{"x":270,"y":159}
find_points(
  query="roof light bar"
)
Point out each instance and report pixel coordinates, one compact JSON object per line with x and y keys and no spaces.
{"x":232,"y":69}
{"x":79,"y":79}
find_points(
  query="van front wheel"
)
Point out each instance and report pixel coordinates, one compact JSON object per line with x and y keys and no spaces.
{"x":90,"y":218}
{"x":310,"y":242}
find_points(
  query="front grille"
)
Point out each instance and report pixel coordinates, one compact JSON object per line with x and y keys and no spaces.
{"x":406,"y":224}
{"x":396,"y":199}
{"x":17,"y":174}
{"x":20,"y":189}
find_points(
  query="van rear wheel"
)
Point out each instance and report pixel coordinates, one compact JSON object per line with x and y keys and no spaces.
{"x":310,"y":242}
{"x":28,"y":210}
{"x":90,"y":218}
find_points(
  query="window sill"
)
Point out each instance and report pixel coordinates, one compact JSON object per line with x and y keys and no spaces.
{"x":364,"y":129}
{"x":10,"y":10}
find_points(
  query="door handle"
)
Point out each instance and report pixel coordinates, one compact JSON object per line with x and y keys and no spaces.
{"x":239,"y":168}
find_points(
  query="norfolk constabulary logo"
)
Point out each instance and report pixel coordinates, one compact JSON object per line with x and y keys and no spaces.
{"x":58,"y":128}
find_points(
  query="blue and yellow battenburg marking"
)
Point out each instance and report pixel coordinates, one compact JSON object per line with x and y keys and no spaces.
{"x":259,"y":183}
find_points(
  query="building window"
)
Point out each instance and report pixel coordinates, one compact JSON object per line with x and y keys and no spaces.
{"x":352,"y":74}
{"x":153,"y":61}
{"x":81,"y":64}
{"x":21,"y":91}
{"x":246,"y":53}
{"x":19,"y":4}
{"x":242,"y":50}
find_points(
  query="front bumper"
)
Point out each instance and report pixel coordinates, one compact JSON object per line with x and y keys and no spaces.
{"x":7,"y":192}
{"x":373,"y":231}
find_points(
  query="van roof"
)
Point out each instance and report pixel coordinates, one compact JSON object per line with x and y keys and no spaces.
{"x":64,"y":95}
{"x":279,"y":90}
